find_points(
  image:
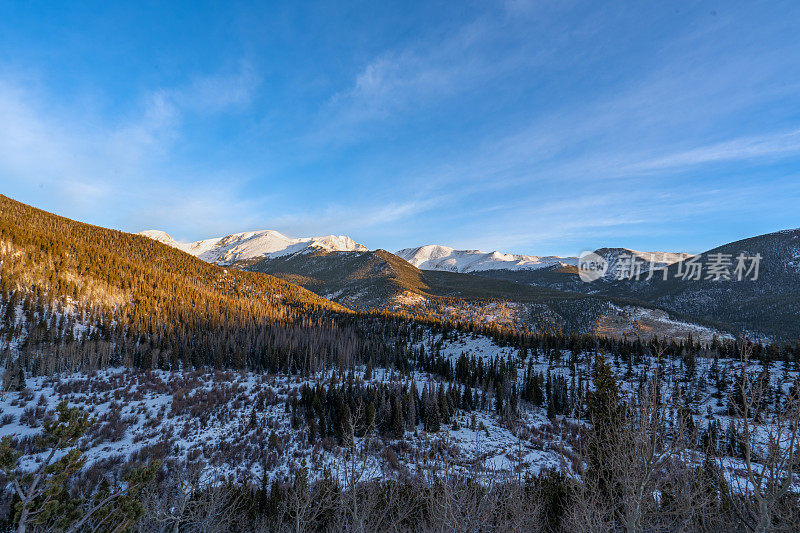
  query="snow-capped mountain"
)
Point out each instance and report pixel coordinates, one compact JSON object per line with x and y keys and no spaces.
{"x":435,"y":257}
{"x":619,"y":257}
{"x":255,"y":245}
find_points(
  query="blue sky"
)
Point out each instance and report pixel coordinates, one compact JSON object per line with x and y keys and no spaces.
{"x":542,"y":127}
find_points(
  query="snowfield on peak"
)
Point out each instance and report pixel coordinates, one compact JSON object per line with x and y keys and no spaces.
{"x":254,"y":245}
{"x":658,"y":258}
{"x":158,"y":235}
{"x":435,"y":257}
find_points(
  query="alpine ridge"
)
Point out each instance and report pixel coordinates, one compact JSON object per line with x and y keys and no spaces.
{"x":255,"y":245}
{"x":444,"y":258}
{"x":437,"y":257}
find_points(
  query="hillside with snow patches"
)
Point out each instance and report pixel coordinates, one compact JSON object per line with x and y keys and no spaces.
{"x":220,"y":420}
{"x":366,"y":403}
{"x":256,"y":245}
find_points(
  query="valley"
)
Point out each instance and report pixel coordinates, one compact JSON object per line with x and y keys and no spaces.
{"x":263,"y":399}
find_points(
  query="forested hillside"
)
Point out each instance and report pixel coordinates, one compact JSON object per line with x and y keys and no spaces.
{"x":384,"y":281}
{"x":76,"y":296}
{"x":764,"y":307}
{"x":764,"y":302}
{"x":381,"y":280}
{"x":143,"y":388}
{"x":140,"y":302}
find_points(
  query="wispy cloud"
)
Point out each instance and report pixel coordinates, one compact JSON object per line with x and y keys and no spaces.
{"x":496,"y":128}
{"x":652,"y":124}
{"x":354,"y":217}
{"x":580,"y":220}
{"x":747,"y":148}
{"x":219,"y":92}
{"x":122,"y":171}
{"x":431,"y":69}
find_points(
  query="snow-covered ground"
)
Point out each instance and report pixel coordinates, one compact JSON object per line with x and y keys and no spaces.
{"x":634,"y":321}
{"x":209,"y":417}
{"x":237,"y":423}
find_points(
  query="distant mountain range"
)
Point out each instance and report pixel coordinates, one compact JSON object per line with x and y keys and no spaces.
{"x":444,"y":258}
{"x":269,"y":244}
{"x":767,"y":305}
{"x":382,"y":280}
{"x":436,"y":257}
{"x":535,"y":290}
{"x":450,"y":283}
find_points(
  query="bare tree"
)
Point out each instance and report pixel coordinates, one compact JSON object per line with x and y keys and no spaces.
{"x":764,"y":475}
{"x":629,"y":459}
{"x":354,"y":468}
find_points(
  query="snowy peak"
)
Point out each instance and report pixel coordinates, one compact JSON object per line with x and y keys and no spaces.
{"x":158,"y":235}
{"x":658,"y":258}
{"x":435,"y":257}
{"x":255,"y":245}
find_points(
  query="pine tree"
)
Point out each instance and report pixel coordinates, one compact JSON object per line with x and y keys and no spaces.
{"x":313,"y":430}
{"x":14,"y":377}
{"x":605,"y":415}
{"x":432,"y":423}
{"x":42,"y":496}
{"x":466,"y":399}
{"x":411,"y":414}
{"x":397,"y":423}
{"x":444,"y":411}
{"x":498,"y":397}
{"x":514,"y":401}
{"x":369,"y":418}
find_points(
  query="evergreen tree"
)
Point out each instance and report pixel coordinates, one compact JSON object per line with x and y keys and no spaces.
{"x":444,"y":410}
{"x":432,"y":423}
{"x":42,"y":496}
{"x":14,"y":377}
{"x":397,"y":423}
{"x":605,"y":414}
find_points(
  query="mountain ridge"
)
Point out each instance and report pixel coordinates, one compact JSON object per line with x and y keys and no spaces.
{"x":255,"y":245}
{"x":335,"y":267}
{"x":445,"y":258}
{"x":381,"y":280}
{"x":767,"y":305}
